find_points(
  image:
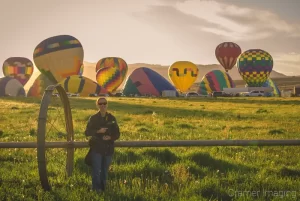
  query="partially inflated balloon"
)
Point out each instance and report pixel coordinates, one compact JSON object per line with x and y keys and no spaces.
{"x":183,"y":74}
{"x":227,"y":54}
{"x":11,"y":87}
{"x":19,"y":68}
{"x":81,"y":85}
{"x":145,"y":81}
{"x":255,"y":66}
{"x":271,"y":83}
{"x":110,"y":78}
{"x":215,"y":80}
{"x":59,"y":57}
{"x":39,"y":85}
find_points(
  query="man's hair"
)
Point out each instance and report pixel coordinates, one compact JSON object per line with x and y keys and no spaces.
{"x":101,"y":98}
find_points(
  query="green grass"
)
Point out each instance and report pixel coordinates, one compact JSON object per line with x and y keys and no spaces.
{"x":182,"y":173}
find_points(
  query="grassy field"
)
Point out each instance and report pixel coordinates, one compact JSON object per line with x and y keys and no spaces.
{"x":203,"y":173}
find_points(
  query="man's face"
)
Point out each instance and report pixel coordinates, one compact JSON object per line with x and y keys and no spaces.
{"x":102,"y":105}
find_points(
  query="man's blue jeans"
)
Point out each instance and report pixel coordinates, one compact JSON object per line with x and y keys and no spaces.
{"x":100,"y":167}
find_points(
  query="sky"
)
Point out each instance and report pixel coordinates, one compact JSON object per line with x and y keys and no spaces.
{"x":155,"y":31}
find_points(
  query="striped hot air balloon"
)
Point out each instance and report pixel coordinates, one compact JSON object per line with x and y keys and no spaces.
{"x":215,"y":80}
{"x":84,"y":86}
{"x":227,"y":54}
{"x":19,"y":68}
{"x":110,"y":78}
{"x":114,"y":62}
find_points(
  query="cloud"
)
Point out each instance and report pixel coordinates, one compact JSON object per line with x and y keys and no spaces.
{"x":184,"y":30}
{"x":292,"y":57}
{"x":290,"y":62}
{"x":198,"y":26}
{"x":238,"y":23}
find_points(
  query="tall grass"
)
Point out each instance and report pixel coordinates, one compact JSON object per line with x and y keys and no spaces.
{"x":182,"y":173}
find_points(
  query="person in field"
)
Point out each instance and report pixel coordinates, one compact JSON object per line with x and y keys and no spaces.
{"x":104,"y":130}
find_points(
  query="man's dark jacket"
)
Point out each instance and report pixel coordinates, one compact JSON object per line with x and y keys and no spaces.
{"x":96,"y":121}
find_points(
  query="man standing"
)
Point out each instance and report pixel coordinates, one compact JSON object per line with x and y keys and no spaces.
{"x":104,"y":130}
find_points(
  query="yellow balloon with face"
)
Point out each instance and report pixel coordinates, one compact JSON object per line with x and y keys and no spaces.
{"x":183,"y":74}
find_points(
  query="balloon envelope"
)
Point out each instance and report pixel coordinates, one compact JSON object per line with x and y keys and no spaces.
{"x":227,"y":54}
{"x":81,"y":85}
{"x":215,"y":80}
{"x":19,"y":68}
{"x":38,"y":87}
{"x":11,"y":87}
{"x":183,"y":74}
{"x":113,"y":62}
{"x":110,"y":78}
{"x":255,"y":66}
{"x":145,"y":81}
{"x":59,"y":57}
{"x":271,"y":83}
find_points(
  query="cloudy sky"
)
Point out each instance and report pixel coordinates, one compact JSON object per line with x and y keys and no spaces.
{"x":155,"y":31}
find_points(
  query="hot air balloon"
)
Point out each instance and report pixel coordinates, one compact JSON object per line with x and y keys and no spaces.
{"x":183,"y":74}
{"x":227,"y":54}
{"x":271,"y":83}
{"x":19,"y":68}
{"x":77,"y":84}
{"x":215,"y":80}
{"x":11,"y":87}
{"x":113,"y":62}
{"x":109,"y":77}
{"x":59,"y":57}
{"x":145,"y":81}
{"x":255,"y":66}
{"x":39,"y":85}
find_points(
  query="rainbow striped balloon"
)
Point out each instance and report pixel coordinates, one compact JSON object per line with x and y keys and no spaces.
{"x":19,"y":68}
{"x":113,"y":62}
{"x":109,"y":78}
{"x":227,"y":54}
{"x":215,"y":80}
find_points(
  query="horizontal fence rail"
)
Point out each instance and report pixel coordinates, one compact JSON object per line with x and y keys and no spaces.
{"x":158,"y":143}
